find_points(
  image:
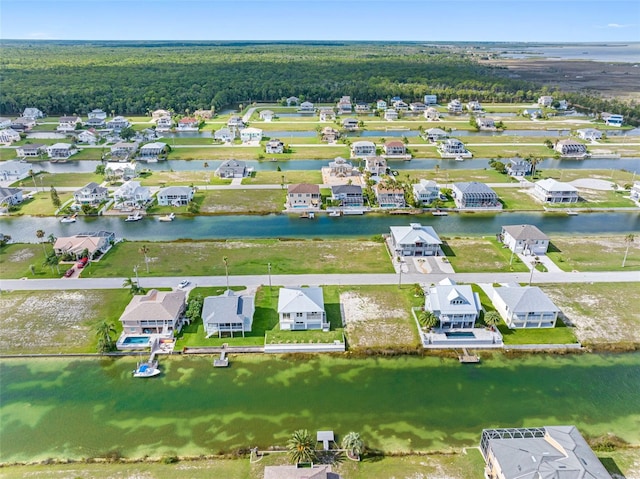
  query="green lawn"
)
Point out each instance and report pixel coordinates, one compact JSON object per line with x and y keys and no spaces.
{"x":620,"y":176}
{"x":452,"y":176}
{"x":63,"y":179}
{"x":509,"y":151}
{"x":41,"y":204}
{"x":243,"y":201}
{"x":291,"y":176}
{"x":478,"y":255}
{"x":182,"y":178}
{"x":16,"y":258}
{"x":595,"y":253}
{"x":518,"y":199}
{"x":215,"y":153}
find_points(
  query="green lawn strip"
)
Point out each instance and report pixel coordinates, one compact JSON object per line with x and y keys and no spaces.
{"x":518,"y":199}
{"x":509,"y":151}
{"x":62,"y":179}
{"x":215,"y":153}
{"x":619,"y":176}
{"x":15,"y":260}
{"x":318,"y":152}
{"x":248,"y":201}
{"x":598,"y":253}
{"x":182,"y":178}
{"x":89,"y":154}
{"x":41,"y":204}
{"x":477,"y":255}
{"x":197,"y":140}
{"x":288,"y":177}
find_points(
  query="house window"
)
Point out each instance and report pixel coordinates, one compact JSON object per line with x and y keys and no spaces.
{"x":286,"y":315}
{"x":298,"y":315}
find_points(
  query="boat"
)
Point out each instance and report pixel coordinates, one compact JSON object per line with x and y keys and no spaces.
{"x":169,"y":217}
{"x":134,"y":217}
{"x":69,"y":219}
{"x":572,"y":213}
{"x":152,"y":160}
{"x":335,"y":213}
{"x":459,"y":158}
{"x":146,"y":369}
{"x":312,"y":215}
{"x":439,"y":213}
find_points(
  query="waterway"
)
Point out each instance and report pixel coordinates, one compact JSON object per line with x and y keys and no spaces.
{"x":22,"y":229}
{"x":79,"y":408}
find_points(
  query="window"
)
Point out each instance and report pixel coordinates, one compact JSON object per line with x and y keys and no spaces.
{"x":298,"y":315}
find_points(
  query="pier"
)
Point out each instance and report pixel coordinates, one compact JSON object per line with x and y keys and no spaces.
{"x":467,"y":357}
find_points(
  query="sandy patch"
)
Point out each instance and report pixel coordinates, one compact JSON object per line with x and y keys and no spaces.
{"x":593,"y":184}
{"x":21,"y":255}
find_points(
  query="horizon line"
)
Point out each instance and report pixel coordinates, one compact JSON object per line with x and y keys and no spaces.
{"x":545,"y":42}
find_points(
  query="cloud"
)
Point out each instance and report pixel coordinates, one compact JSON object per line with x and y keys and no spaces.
{"x":618,"y":25}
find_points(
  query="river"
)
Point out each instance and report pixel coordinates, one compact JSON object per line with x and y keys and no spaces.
{"x":79,"y":408}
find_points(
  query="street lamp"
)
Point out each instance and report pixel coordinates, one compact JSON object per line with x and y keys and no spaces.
{"x":269,"y":270}
{"x":534,"y":263}
{"x":400,"y":274}
{"x":135,"y":270}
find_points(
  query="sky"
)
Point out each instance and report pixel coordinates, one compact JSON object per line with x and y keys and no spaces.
{"x":382,"y":20}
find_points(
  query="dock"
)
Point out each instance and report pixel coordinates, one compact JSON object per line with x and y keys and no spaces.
{"x":468,"y":358}
{"x":325,"y":437}
{"x":222,"y":361}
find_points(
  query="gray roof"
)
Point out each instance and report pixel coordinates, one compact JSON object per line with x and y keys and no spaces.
{"x":450,"y":298}
{"x":317,"y":471}
{"x":549,"y":184}
{"x":300,"y":300}
{"x":525,"y":232}
{"x":346,"y":189}
{"x":175,"y":190}
{"x":474,"y":187}
{"x":93,"y":187}
{"x":228,"y":308}
{"x":526,"y":299}
{"x":233,"y":164}
{"x":415,"y":232}
{"x":7,"y":192}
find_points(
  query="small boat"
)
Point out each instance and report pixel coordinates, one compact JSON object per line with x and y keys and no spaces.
{"x":439,"y":213}
{"x":572,"y":213}
{"x":152,"y":160}
{"x":134,"y":217}
{"x":335,"y":213}
{"x":146,"y":369}
{"x":311,"y":215}
{"x":69,"y":219}
{"x":169,"y":217}
{"x":459,"y":158}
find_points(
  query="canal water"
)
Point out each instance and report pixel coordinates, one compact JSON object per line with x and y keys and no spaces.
{"x":80,"y":408}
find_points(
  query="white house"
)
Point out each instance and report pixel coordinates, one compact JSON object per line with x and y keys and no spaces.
{"x":525,"y":307}
{"x":518,"y":167}
{"x":400,"y":105}
{"x":10,"y":196}
{"x":60,"y":151}
{"x":9,"y":136}
{"x":589,"y":134}
{"x":431,"y":114}
{"x":14,"y":170}
{"x":453,"y":148}
{"x":390,"y":114}
{"x":486,"y":124}
{"x":634,"y":193}
{"x":126,"y":171}
{"x":552,"y":191}
{"x":293,"y":101}
{"x":340,"y":168}
{"x":455,"y":305}
{"x":164,"y":123}
{"x":88,"y":136}
{"x":330,"y":135}
{"x":426,"y":191}
{"x":612,"y":119}
{"x":381,"y":105}
{"x":454,"y":106}
{"x":152,"y":151}
{"x":327,"y":114}
{"x":430,"y":99}
{"x":68,"y":123}
{"x":301,"y":309}
{"x":160,"y":113}
{"x":157,"y":312}
{"x":91,"y":194}
{"x":344,"y":105}
{"x":474,"y":106}
{"x":225,"y":135}
{"x":350,"y":123}
{"x":97,"y":113}
{"x":235,"y":122}
{"x":363,"y":148}
{"x":525,"y":239}
{"x":362,"y":107}
{"x":436,"y":134}
{"x":32,"y":150}
{"x":228,"y":313}
{"x":32,"y":113}
{"x":95,"y":123}
{"x":251,"y":135}
{"x":124,"y":149}
{"x":266,"y":115}
{"x":23,"y":123}
{"x":5,"y":122}
{"x":417,"y":106}
{"x":175,"y":195}
{"x":414,"y":240}
{"x":132,"y":194}
{"x":232,"y":169}
{"x":118,"y":123}
{"x":545,"y":100}
{"x":306,"y":107}
{"x":274,"y":146}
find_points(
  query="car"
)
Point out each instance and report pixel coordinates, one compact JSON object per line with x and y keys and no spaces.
{"x":82,"y":263}
{"x":69,"y":272}
{"x":183,"y":284}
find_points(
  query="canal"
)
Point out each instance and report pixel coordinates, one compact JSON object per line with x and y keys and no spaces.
{"x":79,"y":408}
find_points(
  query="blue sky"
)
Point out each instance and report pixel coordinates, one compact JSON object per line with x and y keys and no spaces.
{"x":421,"y":20}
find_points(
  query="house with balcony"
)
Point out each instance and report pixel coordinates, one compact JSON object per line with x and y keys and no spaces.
{"x":61,"y":151}
{"x":97,"y":113}
{"x":525,"y":307}
{"x":381,"y":105}
{"x":474,"y":106}
{"x":571,"y":148}
{"x":232,"y":169}
{"x":545,"y":101}
{"x":91,"y":194}
{"x":124,"y":149}
{"x":327,"y":114}
{"x":9,"y":136}
{"x":175,"y":196}
{"x":188,"y":123}
{"x":266,"y":115}
{"x":274,"y":147}
{"x":32,"y":150}
{"x":68,"y":123}
{"x":22,"y":124}
{"x":341,"y":168}
{"x":431,"y":99}
{"x":293,"y":101}
{"x":362,"y":108}
{"x":417,"y":106}
{"x":394,"y":148}
{"x":453,"y":148}
{"x":455,"y":305}
{"x":14,"y":170}
{"x":95,"y":243}
{"x":95,"y":123}
{"x":524,"y":239}
{"x":306,"y":107}
{"x":235,"y":122}
{"x":414,"y":240}
{"x":349,"y":196}
{"x":362,"y":148}
{"x":32,"y":113}
{"x":329,"y":135}
{"x":164,"y":123}
{"x":225,"y":135}
{"x":228,"y":314}
{"x":426,"y":192}
{"x":376,"y":165}
{"x":90,"y":136}
{"x":303,"y":195}
{"x":612,"y":119}
{"x":518,"y":167}
{"x":251,"y":135}
{"x":344,"y":105}
{"x":350,"y":124}
{"x":389,"y":196}
{"x":5,"y":122}
{"x":486,"y":124}
{"x":152,"y":151}
{"x":634,"y":192}
{"x":400,"y":105}
{"x":390,"y":114}
{"x":9,"y":197}
{"x":589,"y":134}
{"x":475,"y":195}
{"x":552,"y":191}
{"x":434,"y":135}
{"x":116,"y":170}
{"x":454,"y":106}
{"x":131,"y":194}
{"x":118,"y":123}
{"x":156,"y":312}
{"x":431,"y":114}
{"x":301,"y":309}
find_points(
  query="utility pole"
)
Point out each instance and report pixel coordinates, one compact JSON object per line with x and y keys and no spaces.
{"x":400,"y":274}
{"x":269,"y":270}
{"x":533,"y":267}
{"x":135,"y":270}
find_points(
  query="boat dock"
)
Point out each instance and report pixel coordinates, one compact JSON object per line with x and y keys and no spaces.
{"x":466,"y":357}
{"x":222,"y":361}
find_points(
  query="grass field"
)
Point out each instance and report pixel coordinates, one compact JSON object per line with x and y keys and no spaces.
{"x":595,"y":253}
{"x":452,"y":176}
{"x":518,"y":199}
{"x":478,"y":255}
{"x":16,"y":258}
{"x":183,"y":178}
{"x":63,"y":179}
{"x":41,"y":204}
{"x":242,"y":201}
{"x":288,"y":177}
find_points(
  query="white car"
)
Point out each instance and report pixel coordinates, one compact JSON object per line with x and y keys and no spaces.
{"x":183,"y":284}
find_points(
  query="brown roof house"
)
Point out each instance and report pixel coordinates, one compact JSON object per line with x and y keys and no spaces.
{"x":94,"y":243}
{"x":303,"y":195}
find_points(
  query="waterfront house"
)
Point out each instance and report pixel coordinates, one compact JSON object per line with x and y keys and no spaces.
{"x":340,"y":168}
{"x":306,"y":107}
{"x":381,"y":105}
{"x":552,"y":191}
{"x":349,"y":196}
{"x":545,"y":100}
{"x":344,"y":105}
{"x":94,"y":243}
{"x":612,"y":119}
{"x":389,"y":196}
{"x":363,"y":148}
{"x":10,"y":196}
{"x":400,"y":105}
{"x":68,"y":123}
{"x":486,"y":124}
{"x":118,"y":123}
{"x":160,"y":113}
{"x":553,"y":452}
{"x":362,"y":107}
{"x":124,"y":149}
{"x":60,"y":151}
{"x":5,"y":122}
{"x":157,"y":312}
{"x":525,"y":239}
{"x":95,"y":123}
{"x":32,"y":150}
{"x":91,"y":194}
{"x":475,"y":195}
{"x":132,"y":194}
{"x":455,"y":305}
{"x":474,"y":106}
{"x":266,"y":115}
{"x":454,"y":106}
{"x":97,"y":113}
{"x":562,"y":105}
{"x":350,"y":124}
{"x":232,"y":169}
{"x":250,"y":135}
{"x":164,"y":123}
{"x":330,"y":135}
{"x":431,"y":114}
{"x":571,"y":148}
{"x":228,"y":313}
{"x":301,"y":309}
{"x":453,"y":148}
{"x":417,"y":106}
{"x":518,"y":167}
{"x":293,"y":101}
{"x":430,"y":99}
{"x":9,"y":136}
{"x":390,"y":114}
{"x":22,"y":124}
{"x":589,"y":134}
{"x":274,"y":146}
{"x":90,"y":136}
{"x":116,"y":170}
{"x":525,"y":307}
{"x":224,"y":135}
{"x":152,"y":151}
{"x":235,"y":122}
{"x":188,"y":123}
{"x":303,"y":195}
{"x":14,"y":170}
{"x":327,"y":114}
{"x":634,"y":193}
{"x":532,"y":113}
{"x":436,"y":134}
{"x":32,"y":113}
{"x":395,"y":99}
{"x":414,"y":240}
{"x":426,"y":192}
{"x":175,"y":195}
{"x":376,"y":165}
{"x":394,"y":148}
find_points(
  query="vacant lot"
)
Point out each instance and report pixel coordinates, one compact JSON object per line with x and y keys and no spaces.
{"x":62,"y":179}
{"x":53,"y":322}
{"x":478,"y":255}
{"x":183,"y":178}
{"x":15,"y":260}
{"x":243,"y":201}
{"x":601,"y":312}
{"x":41,"y":204}
{"x":594,"y":253}
{"x":285,"y":177}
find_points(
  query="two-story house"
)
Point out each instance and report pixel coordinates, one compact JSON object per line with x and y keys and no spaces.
{"x":68,"y":123}
{"x":453,"y":148}
{"x":303,"y":195}
{"x":188,"y":123}
{"x":455,"y":305}
{"x":60,"y":151}
{"x":118,"y":123}
{"x":552,"y":191}
{"x":91,"y":194}
{"x":475,"y":195}
{"x":389,"y":196}
{"x":327,"y":114}
{"x":454,"y":106}
{"x":152,"y":151}
{"x":251,"y":135}
{"x":431,"y":114}
{"x":390,"y":114}
{"x":274,"y":146}
{"x":350,"y":124}
{"x":232,"y":169}
{"x":175,"y":196}
{"x":414,"y":240}
{"x":132,"y":194}
{"x":349,"y":196}
{"x":394,"y":148}
{"x":435,"y":135}
{"x":363,"y":148}
{"x":426,"y":191}
{"x":228,"y":313}
{"x":306,"y":107}
{"x":525,"y":307}
{"x":157,"y":312}
{"x":376,"y":165}
{"x":301,"y":309}
{"x":340,"y":168}
{"x":525,"y":239}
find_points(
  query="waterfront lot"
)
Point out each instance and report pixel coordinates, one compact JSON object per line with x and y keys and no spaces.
{"x":41,"y":204}
{"x":182,"y":178}
{"x":15,"y":260}
{"x":478,"y":255}
{"x":285,"y":177}
{"x":594,"y":253}
{"x":242,"y":201}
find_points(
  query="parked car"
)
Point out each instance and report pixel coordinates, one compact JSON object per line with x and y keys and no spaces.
{"x":183,"y":284}
{"x":69,"y":272}
{"x":82,"y":263}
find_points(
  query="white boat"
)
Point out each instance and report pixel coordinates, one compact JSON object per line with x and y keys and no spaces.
{"x":69,"y":219}
{"x":459,"y":158}
{"x":169,"y":217}
{"x":572,"y":213}
{"x":134,"y":217}
{"x":335,"y":213}
{"x":146,"y":369}
{"x":439,"y":213}
{"x":311,"y":215}
{"x":152,"y":160}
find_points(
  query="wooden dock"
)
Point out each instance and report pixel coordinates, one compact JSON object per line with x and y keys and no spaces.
{"x":223,"y":360}
{"x":467,"y":358}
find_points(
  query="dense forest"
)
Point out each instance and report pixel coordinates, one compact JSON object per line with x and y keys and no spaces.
{"x":136,"y":77}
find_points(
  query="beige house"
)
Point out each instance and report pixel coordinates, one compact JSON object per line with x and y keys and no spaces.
{"x":157,"y":312}
{"x":94,"y":243}
{"x":303,"y":195}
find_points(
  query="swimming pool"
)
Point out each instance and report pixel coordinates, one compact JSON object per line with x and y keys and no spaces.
{"x":460,"y":334}
{"x":136,"y":340}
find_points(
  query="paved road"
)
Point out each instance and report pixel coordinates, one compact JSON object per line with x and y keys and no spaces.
{"x":318,"y":279}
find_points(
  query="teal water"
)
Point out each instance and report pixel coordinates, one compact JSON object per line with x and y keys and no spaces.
{"x":80,"y":408}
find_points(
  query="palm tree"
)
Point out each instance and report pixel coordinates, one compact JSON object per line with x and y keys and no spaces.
{"x":301,"y":447}
{"x":427,"y":319}
{"x":417,"y":290}
{"x":225,"y":260}
{"x":492,"y":318}
{"x":628,"y":240}
{"x":105,"y":341}
{"x":52,"y":260}
{"x":353,"y":445}
{"x":133,"y":286}
{"x":144,"y":250}
{"x":40,"y":234}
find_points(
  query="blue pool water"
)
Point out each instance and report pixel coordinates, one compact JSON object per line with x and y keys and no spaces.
{"x":136,"y":340}
{"x":459,"y":334}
